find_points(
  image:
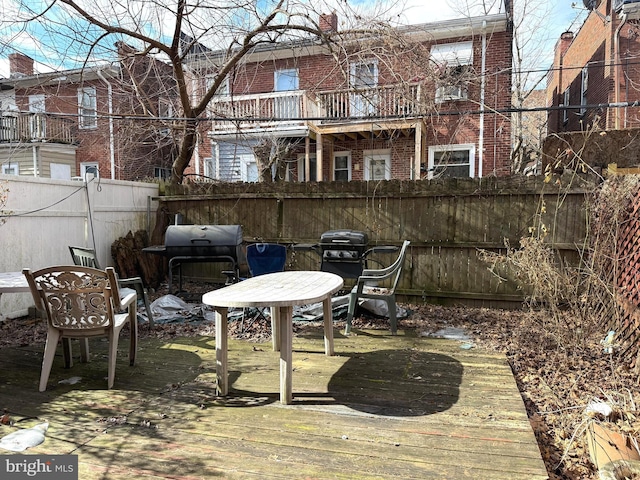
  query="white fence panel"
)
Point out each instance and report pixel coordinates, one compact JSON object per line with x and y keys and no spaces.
{"x":42,"y":217}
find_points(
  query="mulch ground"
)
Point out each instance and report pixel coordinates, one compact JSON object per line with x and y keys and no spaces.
{"x":557,"y":381}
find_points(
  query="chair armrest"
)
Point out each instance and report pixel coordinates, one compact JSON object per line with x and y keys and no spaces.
{"x":129,"y":281}
{"x":127,"y":300}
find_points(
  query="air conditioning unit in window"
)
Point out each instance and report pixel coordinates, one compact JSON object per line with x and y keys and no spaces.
{"x":447,"y":93}
{"x":631,"y":8}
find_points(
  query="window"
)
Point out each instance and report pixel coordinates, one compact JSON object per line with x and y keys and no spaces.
{"x":87,"y":107}
{"x":286,"y":105}
{"x":565,"y":111}
{"x":223,"y":88}
{"x":583,"y":90}
{"x":342,"y":167}
{"x":165,"y":113}
{"x":38,"y":122}
{"x":377,"y":165}
{"x":248,"y":168}
{"x":451,"y":161}
{"x":89,"y":170}
{"x":37,"y":103}
{"x":313,"y":164}
{"x":10,"y":169}
{"x":453,"y":61}
{"x":210,"y":170}
{"x":363,"y":79}
{"x":162,"y":173}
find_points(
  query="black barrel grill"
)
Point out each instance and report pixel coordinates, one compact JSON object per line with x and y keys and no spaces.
{"x":200,"y":243}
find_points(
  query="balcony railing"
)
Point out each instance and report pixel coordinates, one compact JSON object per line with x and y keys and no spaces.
{"x":384,"y":101}
{"x":277,"y":110}
{"x":286,"y":110}
{"x":35,"y":127}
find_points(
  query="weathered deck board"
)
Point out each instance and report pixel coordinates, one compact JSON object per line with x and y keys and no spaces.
{"x":383,"y":407}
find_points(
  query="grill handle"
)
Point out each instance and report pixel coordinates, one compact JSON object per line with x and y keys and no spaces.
{"x":201,"y":240}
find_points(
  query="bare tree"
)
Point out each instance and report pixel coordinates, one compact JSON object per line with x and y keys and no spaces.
{"x":168,"y":31}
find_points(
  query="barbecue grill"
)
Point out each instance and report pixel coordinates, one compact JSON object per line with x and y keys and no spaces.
{"x":200,"y":243}
{"x":344,"y":252}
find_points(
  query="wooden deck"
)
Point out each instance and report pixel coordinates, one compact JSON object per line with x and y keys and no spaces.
{"x":383,"y":407}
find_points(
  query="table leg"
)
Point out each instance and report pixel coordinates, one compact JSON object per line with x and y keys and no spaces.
{"x":286,"y":345}
{"x":327,"y":313}
{"x":275,"y":328}
{"x":222,"y":344}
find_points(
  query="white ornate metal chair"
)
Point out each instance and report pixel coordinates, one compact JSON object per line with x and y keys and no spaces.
{"x":378,"y":285}
{"x":82,"y":302}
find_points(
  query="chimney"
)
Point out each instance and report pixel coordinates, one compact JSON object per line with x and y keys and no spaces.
{"x":328,"y":22}
{"x":565,"y":40}
{"x":20,"y":65}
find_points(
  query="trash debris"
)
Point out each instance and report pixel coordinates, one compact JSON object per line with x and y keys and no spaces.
{"x":26,"y":438}
{"x":71,"y":380}
{"x":599,"y":407}
{"x":608,"y":342}
{"x":451,"y":333}
{"x":467,"y":346}
{"x":170,"y":308}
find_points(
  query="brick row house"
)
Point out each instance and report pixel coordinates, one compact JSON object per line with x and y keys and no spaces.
{"x":422,"y":101}
{"x":595,"y":79}
{"x":67,"y":124}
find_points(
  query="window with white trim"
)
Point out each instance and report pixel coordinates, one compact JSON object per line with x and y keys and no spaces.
{"x":162,"y":173}
{"x":87,"y":107}
{"x":363,"y":80}
{"x":451,"y":161}
{"x":342,"y":166}
{"x":89,"y":170}
{"x":312,"y":168}
{"x":566,"y":102}
{"x":222,"y":90}
{"x":10,"y":169}
{"x":454,"y":64}
{"x":377,"y":165}
{"x":248,"y":168}
{"x":584,"y":84}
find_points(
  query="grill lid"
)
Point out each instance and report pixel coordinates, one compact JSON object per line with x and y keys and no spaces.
{"x":343,"y":238}
{"x":203,"y":236}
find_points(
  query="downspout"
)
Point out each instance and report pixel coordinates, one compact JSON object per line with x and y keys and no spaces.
{"x":194,"y":86}
{"x":482,"y":98}
{"x":617,"y":67}
{"x":112,"y":155}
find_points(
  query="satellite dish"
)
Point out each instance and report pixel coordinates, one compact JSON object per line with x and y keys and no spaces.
{"x":591,"y":4}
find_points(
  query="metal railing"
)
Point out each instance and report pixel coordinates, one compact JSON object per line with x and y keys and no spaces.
{"x":35,"y":127}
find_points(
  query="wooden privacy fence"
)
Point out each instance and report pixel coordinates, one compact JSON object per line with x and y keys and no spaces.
{"x":449,"y":222}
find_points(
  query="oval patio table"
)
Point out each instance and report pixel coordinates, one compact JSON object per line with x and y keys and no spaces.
{"x":280,"y":291}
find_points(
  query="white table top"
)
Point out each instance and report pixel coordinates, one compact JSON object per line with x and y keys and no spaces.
{"x":279,"y":289}
{"x":13,"y":282}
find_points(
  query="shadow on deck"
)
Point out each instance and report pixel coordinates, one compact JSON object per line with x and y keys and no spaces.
{"x":382,"y":407}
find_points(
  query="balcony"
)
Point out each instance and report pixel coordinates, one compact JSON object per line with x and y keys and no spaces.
{"x":281,"y":112}
{"x":35,"y":127}
{"x":382,"y":102}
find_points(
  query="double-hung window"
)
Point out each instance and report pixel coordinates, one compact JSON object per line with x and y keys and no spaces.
{"x":342,"y":166}
{"x":584,"y":84}
{"x":87,"y":107}
{"x":566,"y":103}
{"x":451,"y":161}
{"x":454,"y":63}
{"x":364,"y":81}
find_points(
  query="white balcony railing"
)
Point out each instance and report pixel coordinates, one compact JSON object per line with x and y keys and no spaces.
{"x":35,"y":127}
{"x":286,"y":110}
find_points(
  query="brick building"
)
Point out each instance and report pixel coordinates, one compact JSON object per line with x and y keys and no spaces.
{"x":70,"y":123}
{"x":595,"y":75}
{"x":425,"y":101}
